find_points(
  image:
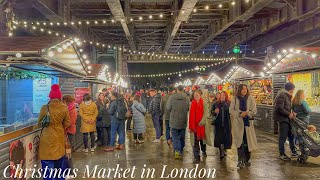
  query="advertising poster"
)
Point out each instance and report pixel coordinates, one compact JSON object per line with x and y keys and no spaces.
{"x":24,"y":155}
{"x":41,"y":90}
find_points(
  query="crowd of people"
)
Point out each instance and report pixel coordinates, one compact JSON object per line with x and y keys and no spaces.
{"x":229,"y":119}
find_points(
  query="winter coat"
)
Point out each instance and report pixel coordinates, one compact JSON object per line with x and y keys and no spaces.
{"x":222,"y":125}
{"x":237,"y":123}
{"x":303,"y":111}
{"x":282,"y":107}
{"x":178,"y":106}
{"x":139,"y":124}
{"x":52,"y":140}
{"x":73,"y":119}
{"x":206,"y":121}
{"x":163,"y":109}
{"x":88,"y":112}
{"x":103,"y":119}
{"x":113,"y":111}
{"x":154,"y":107}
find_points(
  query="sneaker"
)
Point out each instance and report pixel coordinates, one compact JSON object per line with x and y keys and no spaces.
{"x":241,"y":164}
{"x":294,"y":155}
{"x":141,"y":141}
{"x":85,"y":150}
{"x":284,"y":157}
{"x":196,"y":161}
{"x":204,"y":154}
{"x":177,"y":155}
{"x":248,"y":163}
{"x":92,"y":149}
{"x":156,"y":141}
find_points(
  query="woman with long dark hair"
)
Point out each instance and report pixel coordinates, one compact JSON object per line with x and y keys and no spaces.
{"x":222,"y":123}
{"x":242,"y":109}
{"x":103,"y":120}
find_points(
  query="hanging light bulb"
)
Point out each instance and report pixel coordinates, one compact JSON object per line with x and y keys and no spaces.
{"x":104,"y":21}
{"x":220,"y":6}
{"x":233,"y":3}
{"x":79,"y":22}
{"x":96,"y":22}
{"x":161,"y":15}
{"x":207,"y":7}
{"x":84,"y":56}
{"x":64,"y":46}
{"x":140,"y":18}
{"x":113,"y":21}
{"x":59,"y":50}
{"x":18,"y":55}
{"x":195,"y":10}
{"x":51,"y":54}
{"x":87,"y":62}
{"x":150,"y":17}
{"x":89,"y":67}
{"x":131,"y":19}
{"x":182,"y":12}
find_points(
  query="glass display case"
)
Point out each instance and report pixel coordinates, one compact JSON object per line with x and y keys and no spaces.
{"x":261,"y":90}
{"x":310,"y":83}
{"x":22,"y":95}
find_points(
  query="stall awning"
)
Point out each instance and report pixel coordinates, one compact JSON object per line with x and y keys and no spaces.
{"x":213,"y":79}
{"x":294,"y":61}
{"x":239,"y":72}
{"x":42,"y":56}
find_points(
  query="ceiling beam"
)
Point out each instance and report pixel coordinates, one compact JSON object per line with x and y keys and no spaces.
{"x":184,"y":13}
{"x":118,"y":14}
{"x":217,"y":27}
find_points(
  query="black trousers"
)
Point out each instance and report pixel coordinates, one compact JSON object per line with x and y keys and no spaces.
{"x":105,"y":135}
{"x":137,"y":136}
{"x":85,"y":139}
{"x":196,"y":148}
{"x":243,"y":151}
{"x":129,"y":123}
{"x":286,"y":132}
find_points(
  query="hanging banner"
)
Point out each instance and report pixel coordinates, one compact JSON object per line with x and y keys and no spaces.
{"x":24,"y":155}
{"x":41,"y":90}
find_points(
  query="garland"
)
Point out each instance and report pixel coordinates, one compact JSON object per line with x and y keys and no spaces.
{"x":22,"y":74}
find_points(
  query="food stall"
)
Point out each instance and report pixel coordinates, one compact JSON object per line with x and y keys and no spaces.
{"x":212,"y":83}
{"x":28,"y":68}
{"x":301,"y":67}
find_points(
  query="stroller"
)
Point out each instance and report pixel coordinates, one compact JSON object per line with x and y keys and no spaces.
{"x":306,"y":144}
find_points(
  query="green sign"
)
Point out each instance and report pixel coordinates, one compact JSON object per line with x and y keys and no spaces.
{"x":236,"y":49}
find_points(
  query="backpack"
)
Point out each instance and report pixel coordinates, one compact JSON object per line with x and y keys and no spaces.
{"x":121,"y":110}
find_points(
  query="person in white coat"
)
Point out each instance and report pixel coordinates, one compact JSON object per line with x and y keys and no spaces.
{"x":242,"y":109}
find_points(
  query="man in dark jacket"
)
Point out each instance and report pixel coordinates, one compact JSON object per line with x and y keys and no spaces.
{"x":166,"y":114}
{"x":283,"y":115}
{"x":154,"y":110}
{"x":178,"y":106}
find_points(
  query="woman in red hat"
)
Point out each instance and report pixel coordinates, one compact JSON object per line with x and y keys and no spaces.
{"x":52,"y":140}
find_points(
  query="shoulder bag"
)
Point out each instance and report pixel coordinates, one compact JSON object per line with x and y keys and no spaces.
{"x":45,"y":122}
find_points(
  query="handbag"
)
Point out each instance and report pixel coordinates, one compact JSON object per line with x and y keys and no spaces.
{"x":45,"y":122}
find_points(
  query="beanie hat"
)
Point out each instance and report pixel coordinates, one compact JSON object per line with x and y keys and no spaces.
{"x":289,"y":86}
{"x":55,"y":92}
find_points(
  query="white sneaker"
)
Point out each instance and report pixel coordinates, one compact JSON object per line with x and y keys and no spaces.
{"x":156,"y":141}
{"x":92,"y":149}
{"x":85,"y":150}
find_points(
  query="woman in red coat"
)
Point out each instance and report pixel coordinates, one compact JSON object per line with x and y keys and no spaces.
{"x":195,"y":117}
{"x":69,"y":101}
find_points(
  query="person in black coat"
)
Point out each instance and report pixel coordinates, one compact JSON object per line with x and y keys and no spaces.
{"x":283,"y":114}
{"x":222,"y":123}
{"x":103,"y":120}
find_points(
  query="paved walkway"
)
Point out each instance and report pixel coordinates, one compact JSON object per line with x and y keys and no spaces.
{"x":265,"y":162}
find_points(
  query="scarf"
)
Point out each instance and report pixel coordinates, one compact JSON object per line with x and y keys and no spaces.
{"x":71,"y":106}
{"x":195,"y":116}
{"x":243,"y":107}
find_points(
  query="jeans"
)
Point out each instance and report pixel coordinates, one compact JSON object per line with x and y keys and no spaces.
{"x":54,"y":164}
{"x":178,"y":139}
{"x":243,"y":151}
{"x":161,"y":124}
{"x":196,"y":147}
{"x":156,"y":124}
{"x":286,"y":132}
{"x":85,"y":139}
{"x":168,"y":130}
{"x":98,"y":134}
{"x":105,"y":135}
{"x":138,"y":136}
{"x":117,"y":126}
{"x":129,"y":123}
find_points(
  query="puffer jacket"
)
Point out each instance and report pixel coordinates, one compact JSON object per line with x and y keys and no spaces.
{"x":282,"y":106}
{"x":154,"y":107}
{"x":139,"y":125}
{"x":178,"y":106}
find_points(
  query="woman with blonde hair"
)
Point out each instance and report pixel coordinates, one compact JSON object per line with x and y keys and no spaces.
{"x":301,"y":107}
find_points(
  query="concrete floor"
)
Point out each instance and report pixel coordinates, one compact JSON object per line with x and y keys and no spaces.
{"x":265,"y":162}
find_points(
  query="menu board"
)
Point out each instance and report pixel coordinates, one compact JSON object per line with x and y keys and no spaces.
{"x":41,"y":90}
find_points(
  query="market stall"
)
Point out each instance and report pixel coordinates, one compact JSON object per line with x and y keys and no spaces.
{"x":212,"y":83}
{"x":28,"y":68}
{"x":301,"y":67}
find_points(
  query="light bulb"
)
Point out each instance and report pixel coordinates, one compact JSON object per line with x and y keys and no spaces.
{"x":269,"y":64}
{"x":10,"y":34}
{"x":313,"y":55}
{"x":150,"y":17}
{"x":87,"y":62}
{"x":18,"y":55}
{"x":89,"y":71}
{"x":161,"y":15}
{"x":274,"y":60}
{"x":51,"y":54}
{"x":84,"y":56}
{"x":194,"y":10}
{"x":207,"y":7}
{"x":88,"y":22}
{"x":96,"y":22}
{"x":112,"y":21}
{"x":220,"y":6}
{"x":131,"y":19}
{"x":59,"y":50}
{"x":104,"y":21}
{"x":64,"y":46}
{"x":79,"y":22}
{"x":140,"y":18}
{"x":233,"y":3}
{"x":89,"y":67}
{"x":79,"y":43}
